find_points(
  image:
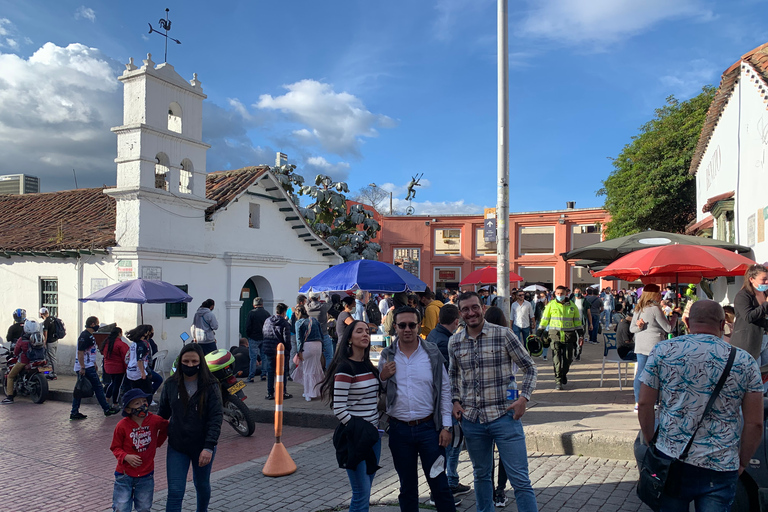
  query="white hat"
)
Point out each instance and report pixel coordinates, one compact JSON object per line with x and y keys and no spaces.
{"x":43,"y":311}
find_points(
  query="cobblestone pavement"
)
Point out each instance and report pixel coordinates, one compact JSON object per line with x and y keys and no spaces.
{"x":562,"y":483}
{"x":48,"y":463}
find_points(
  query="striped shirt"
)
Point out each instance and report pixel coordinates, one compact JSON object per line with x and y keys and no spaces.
{"x":355,"y":392}
{"x":480,"y":369}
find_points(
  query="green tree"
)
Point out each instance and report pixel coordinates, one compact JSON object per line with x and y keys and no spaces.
{"x":650,"y":186}
{"x":348,"y":231}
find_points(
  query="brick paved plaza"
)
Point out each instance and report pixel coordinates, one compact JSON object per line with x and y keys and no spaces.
{"x":75,"y":466}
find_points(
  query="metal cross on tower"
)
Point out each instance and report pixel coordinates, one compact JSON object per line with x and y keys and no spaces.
{"x":166,"y":25}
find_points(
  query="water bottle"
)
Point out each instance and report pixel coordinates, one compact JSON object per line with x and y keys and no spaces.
{"x":512,"y":392}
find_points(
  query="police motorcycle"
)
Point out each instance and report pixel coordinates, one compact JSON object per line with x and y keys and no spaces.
{"x":222,"y":363}
{"x":31,"y":381}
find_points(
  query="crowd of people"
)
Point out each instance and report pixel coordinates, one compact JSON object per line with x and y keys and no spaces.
{"x":446,"y":379}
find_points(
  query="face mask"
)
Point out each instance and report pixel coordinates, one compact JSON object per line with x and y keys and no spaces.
{"x":140,"y":411}
{"x":190,"y":371}
{"x":578,"y":294}
{"x":762,"y":287}
{"x":560,"y":298}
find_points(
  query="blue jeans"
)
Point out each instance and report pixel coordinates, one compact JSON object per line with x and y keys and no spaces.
{"x":265,"y":366}
{"x":254,"y":352}
{"x":509,"y":437}
{"x":524,"y":331}
{"x":641,"y":360}
{"x":711,"y":491}
{"x":156,"y":381}
{"x":407,"y":445}
{"x":452,"y":461}
{"x":595,"y":326}
{"x":327,"y":349}
{"x":361,"y":483}
{"x":177,"y":467}
{"x":605,"y":318}
{"x":98,"y":391}
{"x":133,"y":492}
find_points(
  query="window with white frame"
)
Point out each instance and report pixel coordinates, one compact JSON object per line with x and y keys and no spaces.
{"x":448,"y":242}
{"x":49,"y":294}
{"x":483,"y":248}
{"x":408,"y":259}
{"x":583,"y":235}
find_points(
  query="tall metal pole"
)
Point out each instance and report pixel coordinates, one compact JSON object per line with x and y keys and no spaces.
{"x":502,"y":201}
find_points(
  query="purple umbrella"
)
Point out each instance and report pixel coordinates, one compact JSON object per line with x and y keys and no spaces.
{"x":140,"y":291}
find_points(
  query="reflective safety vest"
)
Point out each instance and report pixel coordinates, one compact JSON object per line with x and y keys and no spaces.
{"x":563,"y":316}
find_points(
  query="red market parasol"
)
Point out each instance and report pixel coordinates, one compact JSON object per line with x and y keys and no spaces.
{"x":678,"y":263}
{"x":486,"y":275}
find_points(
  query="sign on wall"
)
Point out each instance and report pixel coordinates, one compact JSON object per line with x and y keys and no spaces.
{"x":446,"y":275}
{"x":97,"y":283}
{"x":125,"y":270}
{"x":751,"y":230}
{"x":152,"y":273}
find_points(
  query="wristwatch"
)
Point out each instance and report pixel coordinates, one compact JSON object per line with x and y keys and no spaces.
{"x":448,"y":429}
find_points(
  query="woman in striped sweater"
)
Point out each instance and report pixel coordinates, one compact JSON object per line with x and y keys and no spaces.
{"x":352,"y":386}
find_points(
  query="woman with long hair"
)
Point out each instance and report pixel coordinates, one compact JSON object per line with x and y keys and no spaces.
{"x":751,"y":308}
{"x":309,"y":350}
{"x":352,"y":386}
{"x":192,"y":401}
{"x":137,"y":360}
{"x":650,"y":326}
{"x":114,"y":352}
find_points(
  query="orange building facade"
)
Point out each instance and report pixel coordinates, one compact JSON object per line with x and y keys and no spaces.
{"x":442,"y":249}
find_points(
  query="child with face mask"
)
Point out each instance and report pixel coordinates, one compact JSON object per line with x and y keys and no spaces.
{"x":137,"y":436}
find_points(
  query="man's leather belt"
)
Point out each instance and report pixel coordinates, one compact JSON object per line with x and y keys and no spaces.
{"x":413,"y":423}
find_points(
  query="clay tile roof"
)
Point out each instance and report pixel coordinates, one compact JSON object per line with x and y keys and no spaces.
{"x":225,"y":186}
{"x":758,"y":59}
{"x":72,"y":219}
{"x":712,"y":201}
{"x":694,"y":227}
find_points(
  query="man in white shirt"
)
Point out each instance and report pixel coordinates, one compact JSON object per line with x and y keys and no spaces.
{"x":420,"y":425}
{"x":522,"y":317}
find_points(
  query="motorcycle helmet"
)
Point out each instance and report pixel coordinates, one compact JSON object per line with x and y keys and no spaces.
{"x":221,"y":363}
{"x":19,"y":315}
{"x":34,"y":332}
{"x":31,"y":327}
{"x":534,"y":346}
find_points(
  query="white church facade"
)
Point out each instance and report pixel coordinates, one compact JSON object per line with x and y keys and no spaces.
{"x":731,"y":163}
{"x":226,"y":235}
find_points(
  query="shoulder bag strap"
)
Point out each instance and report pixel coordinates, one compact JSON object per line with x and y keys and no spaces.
{"x":715,"y":393}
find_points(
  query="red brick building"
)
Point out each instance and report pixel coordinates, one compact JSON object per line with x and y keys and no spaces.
{"x":443,"y":249}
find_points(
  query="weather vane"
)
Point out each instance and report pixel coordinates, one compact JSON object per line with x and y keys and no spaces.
{"x":166,"y":25}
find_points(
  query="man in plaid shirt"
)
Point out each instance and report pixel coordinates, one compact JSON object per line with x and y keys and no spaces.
{"x":482,"y":359}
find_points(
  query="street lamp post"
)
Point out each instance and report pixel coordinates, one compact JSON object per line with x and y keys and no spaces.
{"x":390,"y":195}
{"x":502,"y":202}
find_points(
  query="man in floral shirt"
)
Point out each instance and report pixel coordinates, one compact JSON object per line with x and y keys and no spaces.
{"x":682,"y":373}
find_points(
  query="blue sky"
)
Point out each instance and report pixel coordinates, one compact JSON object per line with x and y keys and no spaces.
{"x":371,"y":91}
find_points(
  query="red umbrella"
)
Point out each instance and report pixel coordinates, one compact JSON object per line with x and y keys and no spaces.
{"x":486,"y":275}
{"x":679,"y":263}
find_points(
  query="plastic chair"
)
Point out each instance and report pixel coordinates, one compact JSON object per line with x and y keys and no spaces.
{"x":611,"y":355}
{"x":158,"y":360}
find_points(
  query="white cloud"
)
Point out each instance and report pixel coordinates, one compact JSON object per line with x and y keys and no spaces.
{"x":337,"y":121}
{"x":437,"y":208}
{"x":689,"y":79}
{"x":56,"y":108}
{"x":6,"y":27}
{"x":451,"y":13}
{"x":12,"y":43}
{"x":604,"y":21}
{"x":226,"y":130}
{"x":315,"y":165}
{"x":85,"y":13}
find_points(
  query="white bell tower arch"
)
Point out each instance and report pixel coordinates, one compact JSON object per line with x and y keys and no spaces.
{"x":161,"y":158}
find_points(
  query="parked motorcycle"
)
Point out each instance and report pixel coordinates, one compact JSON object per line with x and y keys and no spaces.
{"x":222,"y":364}
{"x":32,"y":379}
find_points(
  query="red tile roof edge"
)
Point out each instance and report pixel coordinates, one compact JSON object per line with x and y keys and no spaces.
{"x":694,"y":227}
{"x":712,"y":201}
{"x":758,"y":59}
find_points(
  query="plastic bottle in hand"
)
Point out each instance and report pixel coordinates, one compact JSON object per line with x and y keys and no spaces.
{"x":512,"y":392}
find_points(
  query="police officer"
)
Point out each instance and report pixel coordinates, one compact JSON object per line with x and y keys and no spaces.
{"x":565,"y":330}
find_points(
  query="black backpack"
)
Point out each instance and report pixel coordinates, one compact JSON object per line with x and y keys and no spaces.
{"x":36,"y":350}
{"x":59,"y":330}
{"x":372,"y":310}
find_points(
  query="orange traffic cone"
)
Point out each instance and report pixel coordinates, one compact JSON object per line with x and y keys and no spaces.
{"x":279,"y":463}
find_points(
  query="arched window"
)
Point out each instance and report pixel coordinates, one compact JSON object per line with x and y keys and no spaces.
{"x":174,"y":117}
{"x":162,"y":171}
{"x":185,"y":176}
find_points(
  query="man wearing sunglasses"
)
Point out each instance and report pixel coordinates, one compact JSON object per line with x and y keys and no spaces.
{"x":482,"y":360}
{"x":419,"y":409}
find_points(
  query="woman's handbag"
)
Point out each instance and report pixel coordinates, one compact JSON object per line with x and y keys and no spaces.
{"x":83,"y":387}
{"x":655,"y":469}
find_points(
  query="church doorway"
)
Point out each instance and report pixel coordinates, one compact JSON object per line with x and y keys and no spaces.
{"x":254,"y":287}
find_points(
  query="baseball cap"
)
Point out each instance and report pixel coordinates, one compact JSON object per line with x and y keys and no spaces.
{"x":133,"y":394}
{"x":43,"y":311}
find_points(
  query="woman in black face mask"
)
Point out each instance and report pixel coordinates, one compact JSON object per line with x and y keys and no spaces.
{"x":192,"y":401}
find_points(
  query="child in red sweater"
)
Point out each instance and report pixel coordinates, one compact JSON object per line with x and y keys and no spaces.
{"x":136,"y":438}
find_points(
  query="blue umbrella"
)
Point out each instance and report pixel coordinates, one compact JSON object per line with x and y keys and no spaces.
{"x":140,"y":291}
{"x":367,"y":275}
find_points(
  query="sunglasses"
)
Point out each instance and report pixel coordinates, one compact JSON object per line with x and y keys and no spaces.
{"x":409,"y":325}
